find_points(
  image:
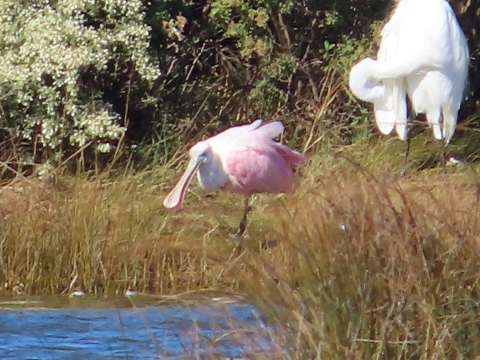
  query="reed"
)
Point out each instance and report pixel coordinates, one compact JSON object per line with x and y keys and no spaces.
{"x":374,"y":267}
{"x":99,"y":235}
{"x":358,"y":263}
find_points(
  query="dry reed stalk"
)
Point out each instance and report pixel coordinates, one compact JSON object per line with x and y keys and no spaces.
{"x":353,"y":265}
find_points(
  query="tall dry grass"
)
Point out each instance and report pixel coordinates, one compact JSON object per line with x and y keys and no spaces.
{"x":359,"y":263}
{"x":374,"y":267}
{"x":100,"y":235}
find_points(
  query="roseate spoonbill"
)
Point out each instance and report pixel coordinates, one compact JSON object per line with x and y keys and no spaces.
{"x":423,"y":54}
{"x":244,"y":160}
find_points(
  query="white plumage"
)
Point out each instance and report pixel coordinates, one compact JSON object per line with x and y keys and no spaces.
{"x":423,"y":54}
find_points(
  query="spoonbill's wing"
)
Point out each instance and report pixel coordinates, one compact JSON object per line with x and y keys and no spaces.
{"x":174,"y":199}
{"x":254,"y":125}
{"x":259,"y":164}
{"x":292,"y":157}
{"x":270,"y":130}
{"x":234,"y":132}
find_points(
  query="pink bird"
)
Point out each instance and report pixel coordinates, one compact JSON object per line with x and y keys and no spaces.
{"x":244,"y":160}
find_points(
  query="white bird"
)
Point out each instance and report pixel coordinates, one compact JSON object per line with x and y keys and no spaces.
{"x":423,"y":54}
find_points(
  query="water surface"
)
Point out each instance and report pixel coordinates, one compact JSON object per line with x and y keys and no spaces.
{"x":173,"y":331}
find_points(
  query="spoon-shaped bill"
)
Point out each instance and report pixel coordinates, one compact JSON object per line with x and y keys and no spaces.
{"x":174,"y":199}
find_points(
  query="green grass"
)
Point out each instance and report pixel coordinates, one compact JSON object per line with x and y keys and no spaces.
{"x":358,"y":263}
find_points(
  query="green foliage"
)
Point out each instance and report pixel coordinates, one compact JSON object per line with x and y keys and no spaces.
{"x":233,"y":61}
{"x":57,"y":59}
{"x":76,"y":73}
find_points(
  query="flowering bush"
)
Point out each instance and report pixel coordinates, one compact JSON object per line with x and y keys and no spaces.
{"x":54,"y":57}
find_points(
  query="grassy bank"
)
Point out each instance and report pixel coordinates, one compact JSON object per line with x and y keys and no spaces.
{"x":358,"y":263}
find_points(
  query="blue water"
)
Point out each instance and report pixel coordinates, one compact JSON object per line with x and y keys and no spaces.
{"x":165,"y":332}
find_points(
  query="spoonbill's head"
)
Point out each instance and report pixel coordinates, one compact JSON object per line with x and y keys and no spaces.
{"x":198,"y":155}
{"x":200,"y":152}
{"x":209,"y":168}
{"x":363,"y":83}
{"x":207,"y":161}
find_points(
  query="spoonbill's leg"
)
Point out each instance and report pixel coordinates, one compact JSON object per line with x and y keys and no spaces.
{"x":243,"y":223}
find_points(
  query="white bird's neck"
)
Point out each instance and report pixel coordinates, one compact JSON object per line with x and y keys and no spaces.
{"x":362,"y":84}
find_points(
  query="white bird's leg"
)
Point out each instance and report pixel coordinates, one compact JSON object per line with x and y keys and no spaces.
{"x":442,"y":145}
{"x":442,"y":155}
{"x":407,"y":149}
{"x":243,"y":223}
{"x":407,"y":152}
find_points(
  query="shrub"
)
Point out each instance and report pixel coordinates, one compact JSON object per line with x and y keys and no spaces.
{"x":58,"y":59}
{"x":234,"y":61}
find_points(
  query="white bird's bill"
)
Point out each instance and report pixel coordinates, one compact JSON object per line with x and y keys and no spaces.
{"x":174,"y":199}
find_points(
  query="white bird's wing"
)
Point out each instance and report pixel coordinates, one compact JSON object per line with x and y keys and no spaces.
{"x":423,"y":53}
{"x":391,"y":109}
{"x":436,"y":53}
{"x":419,"y":43}
{"x":399,"y":97}
{"x":451,"y":92}
{"x":383,"y":108}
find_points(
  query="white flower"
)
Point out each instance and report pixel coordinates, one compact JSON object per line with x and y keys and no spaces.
{"x":45,"y":51}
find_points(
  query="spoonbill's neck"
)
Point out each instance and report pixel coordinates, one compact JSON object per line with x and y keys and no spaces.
{"x":211,"y":173}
